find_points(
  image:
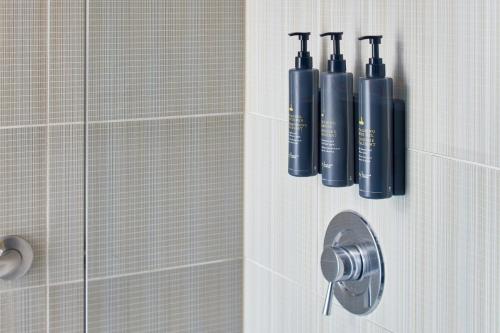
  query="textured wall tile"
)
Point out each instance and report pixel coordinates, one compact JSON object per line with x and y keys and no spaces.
{"x":439,"y":244}
{"x":257,"y":298}
{"x":23,"y":174}
{"x":280,"y":210}
{"x":165,"y":58}
{"x":23,"y":311}
{"x":204,"y":298}
{"x":23,"y":62}
{"x":66,"y":144}
{"x":66,"y":308}
{"x":449,"y":89}
{"x":395,"y":231}
{"x":66,"y":77}
{"x":164,"y":193}
{"x":340,"y":321}
{"x":169,"y":192}
{"x":270,"y":52}
{"x":274,"y":303}
{"x":457,"y":251}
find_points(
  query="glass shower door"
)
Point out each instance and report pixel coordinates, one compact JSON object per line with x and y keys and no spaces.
{"x":164,"y":166}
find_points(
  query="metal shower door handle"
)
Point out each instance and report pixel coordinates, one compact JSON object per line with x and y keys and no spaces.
{"x":16,"y":257}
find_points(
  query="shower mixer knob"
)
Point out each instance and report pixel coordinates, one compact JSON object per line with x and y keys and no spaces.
{"x":352,"y":264}
{"x":339,"y":264}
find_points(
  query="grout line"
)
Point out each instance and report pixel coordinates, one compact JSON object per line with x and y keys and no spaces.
{"x":378,"y":325}
{"x":245,"y":104}
{"x":25,"y":126}
{"x":166,"y":269}
{"x":273,"y":272}
{"x":63,"y":283}
{"x":15,"y":290}
{"x":267,"y":116}
{"x":47,"y":180}
{"x":57,"y":284}
{"x":454,"y":159}
{"x":166,"y":118}
{"x":86,"y":54}
{"x":68,"y":123}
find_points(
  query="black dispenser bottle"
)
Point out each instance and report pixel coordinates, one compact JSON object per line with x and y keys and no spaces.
{"x":337,"y":137}
{"x":303,"y":113}
{"x":375,"y":132}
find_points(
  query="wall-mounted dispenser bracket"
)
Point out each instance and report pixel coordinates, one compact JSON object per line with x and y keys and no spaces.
{"x":399,"y":145}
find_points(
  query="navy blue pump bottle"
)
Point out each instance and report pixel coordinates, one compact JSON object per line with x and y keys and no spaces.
{"x":375,"y":128}
{"x":303,"y":113}
{"x":337,"y":137}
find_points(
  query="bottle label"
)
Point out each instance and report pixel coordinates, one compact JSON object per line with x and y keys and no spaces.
{"x":328,"y":136}
{"x":296,"y":125}
{"x":367,"y":142}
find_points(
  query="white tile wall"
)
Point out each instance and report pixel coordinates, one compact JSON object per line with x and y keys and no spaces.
{"x":281,"y":212}
{"x":440,"y":241}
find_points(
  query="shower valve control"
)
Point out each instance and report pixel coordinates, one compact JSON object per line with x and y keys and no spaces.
{"x":339,"y":264}
{"x":352,"y":264}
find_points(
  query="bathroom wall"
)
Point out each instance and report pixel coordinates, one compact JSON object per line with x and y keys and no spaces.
{"x":41,"y":148}
{"x":440,"y":241}
{"x":166,"y":87}
{"x":165,"y":164}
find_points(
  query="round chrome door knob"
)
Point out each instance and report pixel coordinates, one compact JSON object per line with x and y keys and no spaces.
{"x":16,"y":257}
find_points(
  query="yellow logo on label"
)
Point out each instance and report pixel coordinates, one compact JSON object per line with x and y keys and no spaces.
{"x":361,"y":121}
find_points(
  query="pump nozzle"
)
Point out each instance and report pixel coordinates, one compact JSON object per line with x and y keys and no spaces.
{"x":336,"y":64}
{"x":375,"y":66}
{"x":303,"y":59}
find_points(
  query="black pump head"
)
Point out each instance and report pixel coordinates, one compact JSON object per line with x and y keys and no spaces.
{"x":336,"y":64}
{"x":375,"y":66}
{"x":303,"y":59}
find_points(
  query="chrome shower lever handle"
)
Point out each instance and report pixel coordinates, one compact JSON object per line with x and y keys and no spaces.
{"x":327,"y":308}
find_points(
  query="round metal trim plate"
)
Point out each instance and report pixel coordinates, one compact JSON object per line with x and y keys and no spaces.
{"x":361,"y":296}
{"x":24,"y":248}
